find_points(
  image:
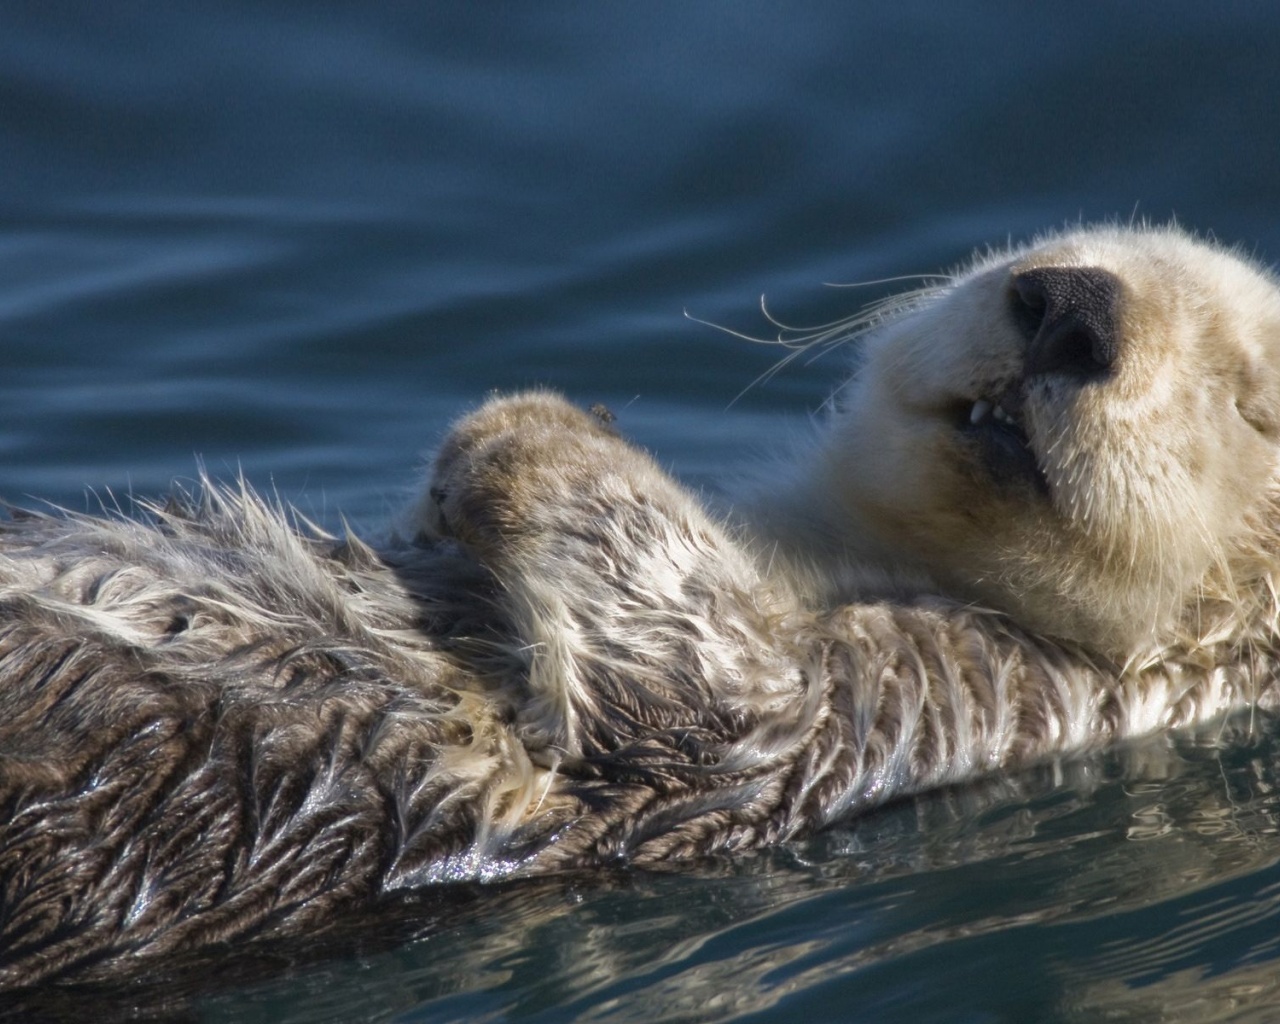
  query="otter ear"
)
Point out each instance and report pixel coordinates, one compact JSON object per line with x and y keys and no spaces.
{"x":1258,"y":397}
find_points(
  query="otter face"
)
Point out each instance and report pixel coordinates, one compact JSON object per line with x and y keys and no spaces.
{"x":1077,"y":433}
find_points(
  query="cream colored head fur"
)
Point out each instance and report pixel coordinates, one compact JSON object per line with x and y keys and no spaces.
{"x":1083,"y":433}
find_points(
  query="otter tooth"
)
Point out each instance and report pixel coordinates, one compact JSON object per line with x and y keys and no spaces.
{"x":981,"y":409}
{"x":999,"y":413}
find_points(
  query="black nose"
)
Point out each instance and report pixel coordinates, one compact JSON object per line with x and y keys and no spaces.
{"x":1069,"y":317}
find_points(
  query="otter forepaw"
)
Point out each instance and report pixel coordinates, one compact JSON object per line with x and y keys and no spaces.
{"x":505,"y":469}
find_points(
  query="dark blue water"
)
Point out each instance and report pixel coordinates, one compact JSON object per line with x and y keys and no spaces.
{"x":294,"y":240}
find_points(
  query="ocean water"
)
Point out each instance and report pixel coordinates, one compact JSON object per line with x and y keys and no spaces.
{"x":293,"y":240}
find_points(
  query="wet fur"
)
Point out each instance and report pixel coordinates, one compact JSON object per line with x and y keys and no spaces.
{"x":218,"y":723}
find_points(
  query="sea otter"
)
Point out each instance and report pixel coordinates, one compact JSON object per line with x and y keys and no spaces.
{"x":1042,"y":516}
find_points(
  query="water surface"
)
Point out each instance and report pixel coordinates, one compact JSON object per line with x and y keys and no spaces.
{"x":293,"y":240}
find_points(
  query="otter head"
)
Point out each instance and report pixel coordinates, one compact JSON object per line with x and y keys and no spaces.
{"x":1083,"y":434}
